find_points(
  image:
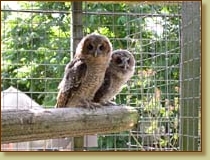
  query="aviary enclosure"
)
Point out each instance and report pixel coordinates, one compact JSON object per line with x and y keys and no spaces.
{"x":39,"y":38}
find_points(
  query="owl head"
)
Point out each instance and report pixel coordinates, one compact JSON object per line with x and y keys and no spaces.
{"x":122,"y":60}
{"x":94,"y":46}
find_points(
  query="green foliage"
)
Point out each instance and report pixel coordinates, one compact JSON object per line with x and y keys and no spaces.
{"x":32,"y":50}
{"x":113,"y":141}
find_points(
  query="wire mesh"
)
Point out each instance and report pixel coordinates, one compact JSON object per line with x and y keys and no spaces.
{"x":36,"y":46}
{"x":154,"y":89}
{"x":33,"y":59}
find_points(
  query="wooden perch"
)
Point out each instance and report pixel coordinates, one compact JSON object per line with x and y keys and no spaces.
{"x":37,"y":124}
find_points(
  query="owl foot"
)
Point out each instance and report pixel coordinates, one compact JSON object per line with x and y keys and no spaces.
{"x":90,"y":105}
{"x":94,"y":105}
{"x":108,"y":103}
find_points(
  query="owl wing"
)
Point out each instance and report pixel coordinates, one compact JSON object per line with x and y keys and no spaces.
{"x":104,"y":87}
{"x":73,"y":77}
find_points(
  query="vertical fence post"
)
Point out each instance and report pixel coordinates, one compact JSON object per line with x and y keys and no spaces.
{"x":76,"y":36}
{"x":190,"y":76}
{"x":76,"y":26}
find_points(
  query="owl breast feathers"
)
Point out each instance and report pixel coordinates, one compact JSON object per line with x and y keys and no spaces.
{"x":120,"y":70}
{"x":85,"y":73}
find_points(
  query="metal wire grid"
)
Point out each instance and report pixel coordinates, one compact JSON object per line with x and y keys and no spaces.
{"x":37,"y":65}
{"x":157,"y":91}
{"x":51,"y":58}
{"x":154,"y":68}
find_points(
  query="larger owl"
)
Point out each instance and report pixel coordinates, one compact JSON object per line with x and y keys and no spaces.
{"x":120,"y":70}
{"x":85,"y":73}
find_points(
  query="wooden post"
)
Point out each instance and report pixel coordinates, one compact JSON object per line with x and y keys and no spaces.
{"x":77,"y":34}
{"x":76,"y":25}
{"x":190,"y":100}
{"x":39,"y":124}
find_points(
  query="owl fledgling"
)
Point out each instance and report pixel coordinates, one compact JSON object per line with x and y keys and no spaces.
{"x":120,"y":70}
{"x":85,"y":73}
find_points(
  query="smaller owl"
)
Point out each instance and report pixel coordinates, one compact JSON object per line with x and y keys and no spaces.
{"x":120,"y":70}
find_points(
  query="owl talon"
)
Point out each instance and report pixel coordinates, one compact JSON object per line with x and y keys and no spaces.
{"x":109,"y":103}
{"x":95,"y":105}
{"x":90,"y":105}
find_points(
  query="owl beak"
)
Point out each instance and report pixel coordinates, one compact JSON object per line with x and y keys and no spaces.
{"x":126,"y":66}
{"x":125,"y":63}
{"x":96,"y":53}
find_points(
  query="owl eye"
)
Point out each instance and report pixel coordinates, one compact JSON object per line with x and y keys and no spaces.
{"x":90,"y":47}
{"x":128,"y":60}
{"x":118,"y":61}
{"x":101,"y":47}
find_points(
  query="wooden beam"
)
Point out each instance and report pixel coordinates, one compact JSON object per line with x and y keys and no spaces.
{"x":37,"y":124}
{"x":76,"y":25}
{"x":190,"y":77}
{"x":77,"y":35}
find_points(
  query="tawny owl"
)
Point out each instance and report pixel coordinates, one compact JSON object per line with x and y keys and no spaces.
{"x":85,"y":73}
{"x":120,"y":70}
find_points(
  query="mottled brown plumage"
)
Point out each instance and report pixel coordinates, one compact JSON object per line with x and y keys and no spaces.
{"x":85,"y":73}
{"x":120,"y":70}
